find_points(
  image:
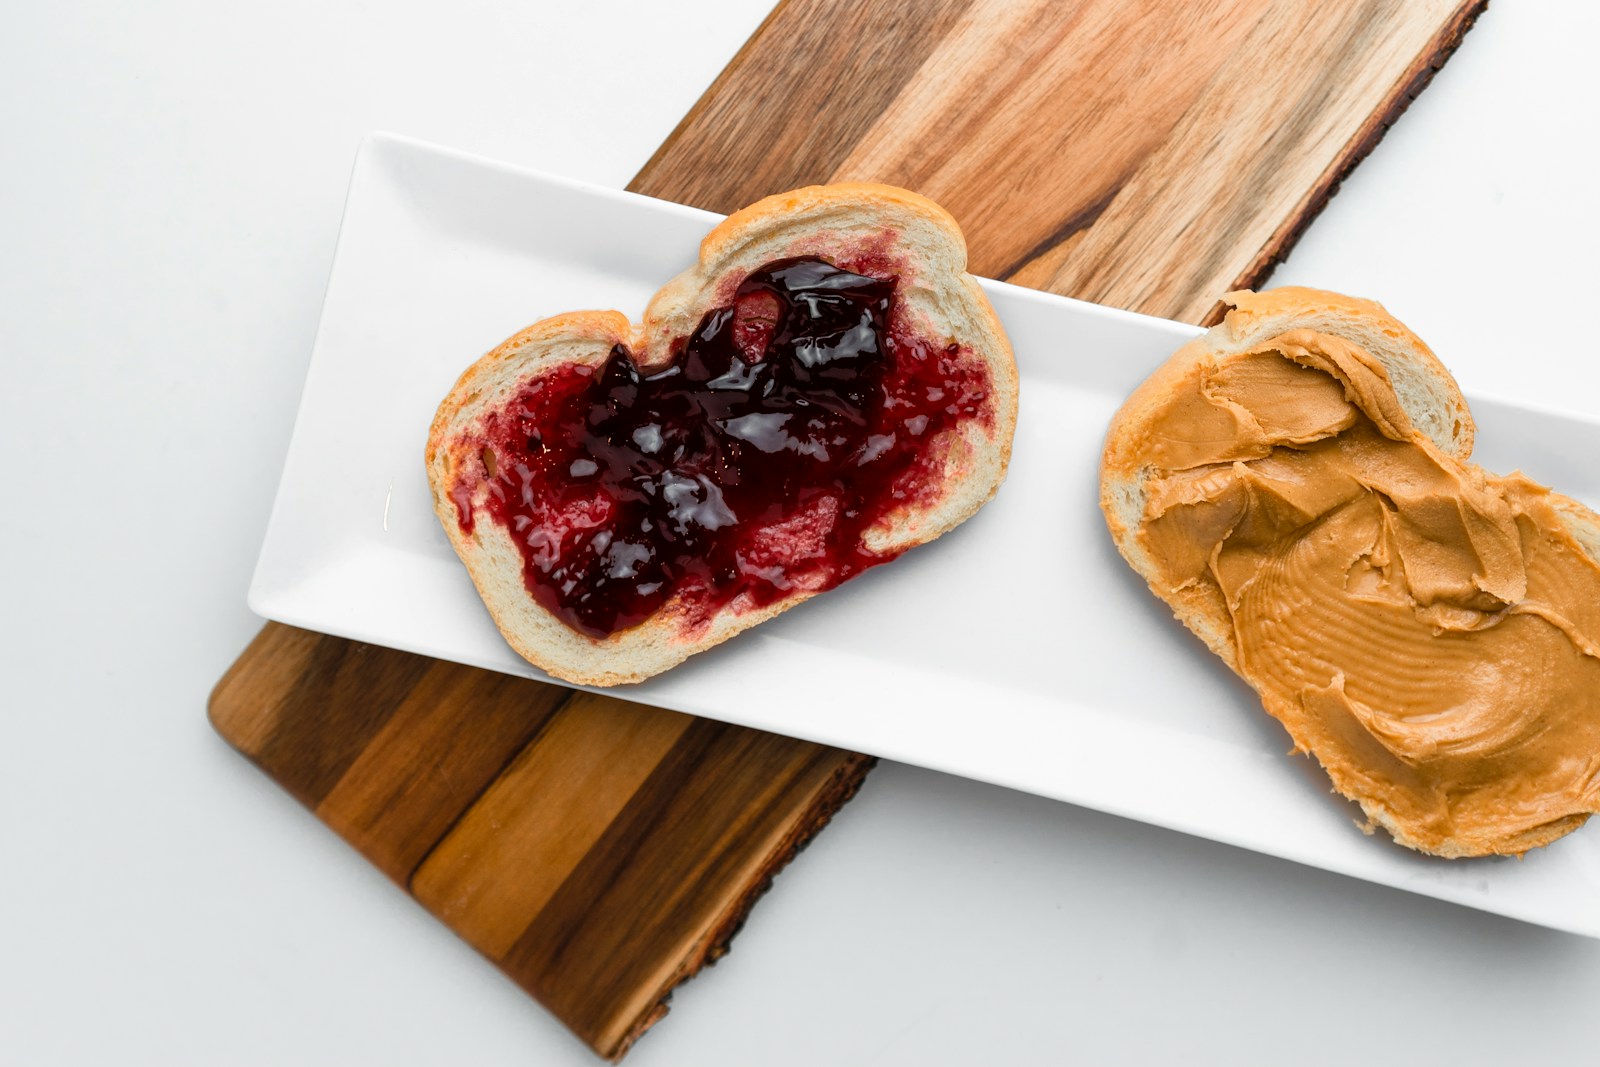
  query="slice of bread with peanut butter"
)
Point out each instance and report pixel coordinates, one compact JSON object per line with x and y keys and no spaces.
{"x":1296,"y":485}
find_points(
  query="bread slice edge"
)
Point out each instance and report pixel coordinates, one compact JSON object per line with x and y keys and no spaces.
{"x":1431,"y":399}
{"x":833,"y":221}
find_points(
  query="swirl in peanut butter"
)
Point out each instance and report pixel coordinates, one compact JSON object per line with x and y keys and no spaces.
{"x":1430,"y":632}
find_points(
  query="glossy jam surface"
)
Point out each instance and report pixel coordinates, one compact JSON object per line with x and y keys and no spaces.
{"x":787,"y":425}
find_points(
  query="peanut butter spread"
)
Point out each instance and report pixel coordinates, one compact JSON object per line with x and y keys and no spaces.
{"x":1429,"y":631}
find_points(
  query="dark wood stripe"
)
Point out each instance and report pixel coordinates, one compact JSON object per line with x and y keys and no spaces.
{"x":326,"y":701}
{"x":434,"y":757}
{"x":1070,"y":227}
{"x":648,"y":902}
{"x":795,"y":100}
{"x":848,"y":774}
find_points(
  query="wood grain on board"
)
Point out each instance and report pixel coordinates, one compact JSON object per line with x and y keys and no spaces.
{"x":1150,"y":155}
{"x":598,"y":851}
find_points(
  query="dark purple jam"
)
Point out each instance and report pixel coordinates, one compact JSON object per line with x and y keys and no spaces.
{"x":787,"y":425}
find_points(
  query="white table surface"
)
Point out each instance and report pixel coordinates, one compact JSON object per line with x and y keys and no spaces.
{"x":171,"y":178}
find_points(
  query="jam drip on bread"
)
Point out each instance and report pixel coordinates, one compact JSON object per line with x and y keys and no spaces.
{"x":788,"y":425}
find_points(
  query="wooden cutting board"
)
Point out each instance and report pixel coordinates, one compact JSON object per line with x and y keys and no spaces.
{"x":1149,"y":154}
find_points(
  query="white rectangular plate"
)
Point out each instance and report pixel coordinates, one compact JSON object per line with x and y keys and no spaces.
{"x":1018,"y":649}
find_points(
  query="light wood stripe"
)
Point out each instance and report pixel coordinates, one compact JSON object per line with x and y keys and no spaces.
{"x":273,"y":665}
{"x":1332,"y":66}
{"x":1096,"y":86}
{"x":507,"y":857}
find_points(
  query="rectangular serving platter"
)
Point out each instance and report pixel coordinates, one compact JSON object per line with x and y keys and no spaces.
{"x":1018,"y":649}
